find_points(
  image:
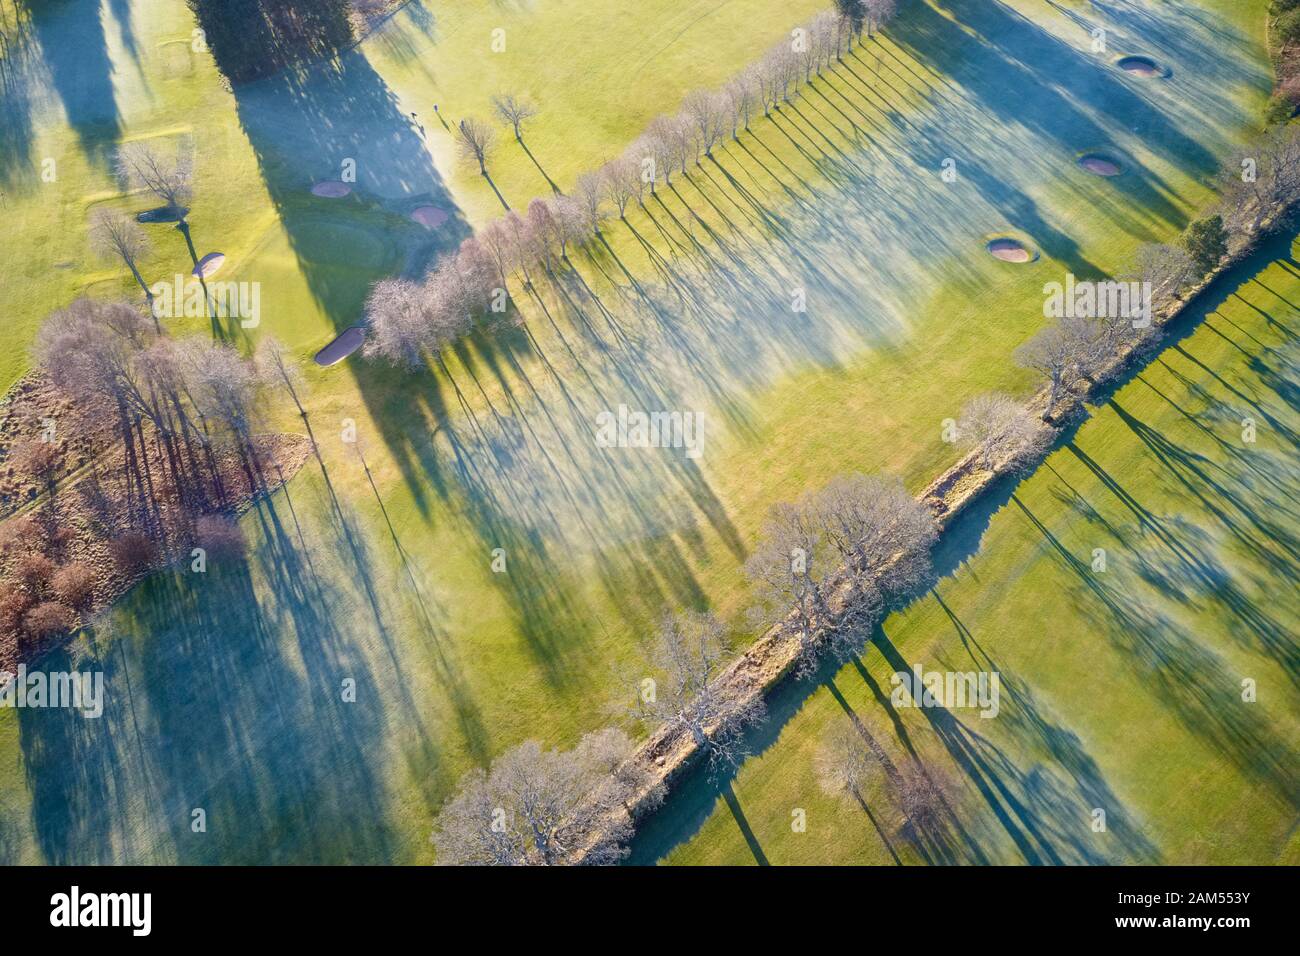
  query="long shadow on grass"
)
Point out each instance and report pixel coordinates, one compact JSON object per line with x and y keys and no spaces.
{"x":207,"y":710}
{"x":1027,"y":801}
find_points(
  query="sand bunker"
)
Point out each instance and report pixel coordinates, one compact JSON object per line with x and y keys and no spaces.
{"x":209,"y":265}
{"x":1142,"y":66}
{"x":1099,"y":164}
{"x":430,"y":217}
{"x":331,"y":189}
{"x":1009,"y":250}
{"x":349,"y":341}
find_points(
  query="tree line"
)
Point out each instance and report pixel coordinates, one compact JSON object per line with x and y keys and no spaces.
{"x":409,"y":320}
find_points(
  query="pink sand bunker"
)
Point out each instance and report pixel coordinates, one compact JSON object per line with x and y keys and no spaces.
{"x":1100,"y":165}
{"x":430,"y":217}
{"x":331,"y":189}
{"x":209,"y":265}
{"x":1009,"y":250}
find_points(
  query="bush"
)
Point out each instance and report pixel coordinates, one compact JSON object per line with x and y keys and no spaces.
{"x":1281,"y":107}
{"x":14,"y":603}
{"x":219,"y":536}
{"x":1288,"y":26}
{"x":1206,"y":242}
{"x":34,"y":572}
{"x":74,"y":585}
{"x":133,"y":552}
{"x":48,"y":619}
{"x":20,"y":536}
{"x":37,"y":460}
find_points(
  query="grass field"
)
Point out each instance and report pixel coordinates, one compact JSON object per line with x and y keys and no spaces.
{"x":1121,"y":690}
{"x":224,"y":691}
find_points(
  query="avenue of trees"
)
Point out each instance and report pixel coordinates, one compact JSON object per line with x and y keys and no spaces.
{"x":411,"y":320}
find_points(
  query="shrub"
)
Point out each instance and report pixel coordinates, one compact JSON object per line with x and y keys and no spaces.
{"x":219,"y":536}
{"x":1206,"y":242}
{"x":133,"y":552}
{"x":1288,"y":26}
{"x":14,"y":603}
{"x":34,"y":572}
{"x":74,"y":585}
{"x":48,"y":619}
{"x":37,"y":460}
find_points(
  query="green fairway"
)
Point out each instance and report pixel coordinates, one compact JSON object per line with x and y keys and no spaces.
{"x":225,"y":691}
{"x":1120,"y":690}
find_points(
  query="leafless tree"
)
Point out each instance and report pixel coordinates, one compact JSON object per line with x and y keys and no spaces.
{"x":827,"y":564}
{"x":498,"y":242}
{"x":568,"y":222}
{"x":1261,"y":181}
{"x":844,"y":763}
{"x":622,"y":179}
{"x":1050,"y":352}
{"x":823,"y":33}
{"x":515,"y":111}
{"x":395,"y":316}
{"x":1000,"y":429}
{"x":589,"y":194}
{"x":706,"y":113}
{"x":682,"y":689}
{"x":1167,"y":268}
{"x":171,"y":180}
{"x":279,"y":370}
{"x":117,"y":236}
{"x":743,"y":93}
{"x":540,"y":807}
{"x":541,"y":231}
{"x":475,"y":139}
{"x":878,"y":13}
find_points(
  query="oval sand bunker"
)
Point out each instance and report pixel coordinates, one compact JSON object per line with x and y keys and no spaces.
{"x":349,"y":341}
{"x":1009,"y":250}
{"x":209,"y":265}
{"x":1099,"y":164}
{"x":331,"y":189}
{"x":1142,"y":66}
{"x":430,"y":217}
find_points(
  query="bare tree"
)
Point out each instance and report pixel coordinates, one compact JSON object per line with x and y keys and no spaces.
{"x":706,"y":112}
{"x":743,"y":93}
{"x":843,"y":762}
{"x":170,"y":180}
{"x":474,"y":140}
{"x":279,"y":370}
{"x":682,"y":689}
{"x":515,"y":111}
{"x":395,"y":316}
{"x":622,"y":179}
{"x":589,"y":193}
{"x":828,"y":563}
{"x":117,"y":236}
{"x":1167,"y":268}
{"x":1000,"y":429}
{"x":878,"y":13}
{"x":1050,"y":352}
{"x":540,"y":807}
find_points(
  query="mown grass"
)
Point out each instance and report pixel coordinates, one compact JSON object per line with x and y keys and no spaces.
{"x":390,"y":582}
{"x":1121,"y":690}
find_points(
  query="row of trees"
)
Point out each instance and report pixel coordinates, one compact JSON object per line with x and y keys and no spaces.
{"x":410,"y":320}
{"x":1259,"y":193}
